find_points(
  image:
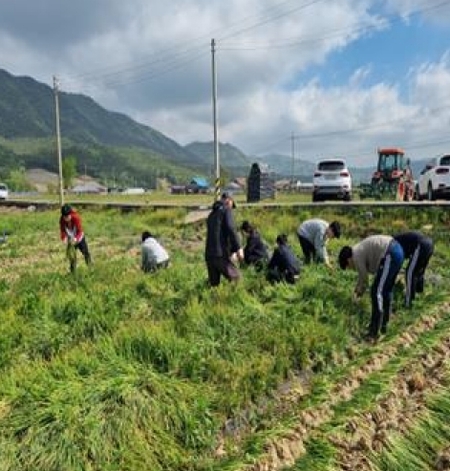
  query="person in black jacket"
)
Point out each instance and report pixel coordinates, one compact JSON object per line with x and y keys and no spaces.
{"x":283,"y":265}
{"x":222,"y":242}
{"x":255,"y":251}
{"x":418,"y":249}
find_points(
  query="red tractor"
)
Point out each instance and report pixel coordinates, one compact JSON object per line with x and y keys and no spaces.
{"x":393,"y":177}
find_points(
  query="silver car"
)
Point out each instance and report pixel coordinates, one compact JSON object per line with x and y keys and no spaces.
{"x":332,"y":180}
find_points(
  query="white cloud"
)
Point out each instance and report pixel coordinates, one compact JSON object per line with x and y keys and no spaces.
{"x":151,"y":60}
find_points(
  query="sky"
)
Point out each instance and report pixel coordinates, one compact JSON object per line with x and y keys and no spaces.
{"x":305,"y":78}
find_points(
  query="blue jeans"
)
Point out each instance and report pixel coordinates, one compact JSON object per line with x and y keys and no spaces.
{"x":382,"y":288}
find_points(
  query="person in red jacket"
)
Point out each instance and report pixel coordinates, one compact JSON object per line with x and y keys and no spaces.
{"x":72,"y":234}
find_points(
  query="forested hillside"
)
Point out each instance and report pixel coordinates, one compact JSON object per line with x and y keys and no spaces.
{"x":103,"y":141}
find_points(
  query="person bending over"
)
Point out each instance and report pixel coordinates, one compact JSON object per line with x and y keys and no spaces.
{"x":378,"y":255}
{"x":255,"y":250}
{"x":418,"y":250}
{"x":72,"y":234}
{"x":313,"y":236}
{"x":283,"y":265}
{"x":153,"y":255}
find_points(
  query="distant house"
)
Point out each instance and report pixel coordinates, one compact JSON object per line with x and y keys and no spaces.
{"x":197,"y":185}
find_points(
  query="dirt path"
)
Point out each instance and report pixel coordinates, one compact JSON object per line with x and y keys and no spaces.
{"x":283,"y":451}
{"x":369,"y":431}
{"x":196,"y":216}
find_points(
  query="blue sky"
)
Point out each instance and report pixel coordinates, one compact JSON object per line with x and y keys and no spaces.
{"x":344,"y":77}
{"x":391,"y":53}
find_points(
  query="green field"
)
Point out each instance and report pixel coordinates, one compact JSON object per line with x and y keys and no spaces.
{"x":112,"y":370}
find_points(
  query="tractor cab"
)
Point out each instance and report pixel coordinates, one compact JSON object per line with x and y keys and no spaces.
{"x":392,"y":165}
{"x":392,"y":179}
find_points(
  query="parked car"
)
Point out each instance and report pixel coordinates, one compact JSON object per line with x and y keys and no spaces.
{"x":4,"y":193}
{"x":434,"y":179}
{"x":332,"y":180}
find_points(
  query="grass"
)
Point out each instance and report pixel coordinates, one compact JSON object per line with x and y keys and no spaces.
{"x":114,"y":370}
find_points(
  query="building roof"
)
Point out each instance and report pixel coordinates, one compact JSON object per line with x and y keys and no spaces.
{"x":200,"y":181}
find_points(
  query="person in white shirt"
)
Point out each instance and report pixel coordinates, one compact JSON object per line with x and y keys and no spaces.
{"x":313,"y":236}
{"x":154,"y":255}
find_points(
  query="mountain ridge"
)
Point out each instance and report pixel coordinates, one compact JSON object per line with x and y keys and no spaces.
{"x":109,"y":142}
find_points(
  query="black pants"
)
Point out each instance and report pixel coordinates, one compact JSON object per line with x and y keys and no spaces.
{"x":221,"y":266}
{"x":82,"y":246}
{"x":275,"y":275}
{"x":152,"y":267}
{"x":308,"y":249}
{"x":415,"y":271}
{"x":382,"y":288}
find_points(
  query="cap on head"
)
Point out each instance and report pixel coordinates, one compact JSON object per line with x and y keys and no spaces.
{"x":336,"y":228}
{"x":66,"y":210}
{"x":227,"y":195}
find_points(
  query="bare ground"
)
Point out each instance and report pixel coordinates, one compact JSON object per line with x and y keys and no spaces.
{"x":282,"y":452}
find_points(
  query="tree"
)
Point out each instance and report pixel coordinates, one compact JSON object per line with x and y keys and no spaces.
{"x":17,"y":180}
{"x":69,"y":171}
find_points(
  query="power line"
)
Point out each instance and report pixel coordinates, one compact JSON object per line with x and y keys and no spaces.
{"x":183,"y":55}
{"x":339,"y":132}
{"x":353,"y":29}
{"x":173,"y":57}
{"x":270,"y":19}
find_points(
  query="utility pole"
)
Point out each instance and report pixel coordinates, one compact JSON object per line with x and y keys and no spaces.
{"x":293,"y":138}
{"x":58,"y":142}
{"x":216,"y":138}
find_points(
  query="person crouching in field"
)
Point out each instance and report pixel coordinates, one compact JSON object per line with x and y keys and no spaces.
{"x":153,"y":255}
{"x":313,"y":236}
{"x":283,"y":265}
{"x":255,"y":250}
{"x":418,"y":250}
{"x":382,"y":256}
{"x":72,"y":234}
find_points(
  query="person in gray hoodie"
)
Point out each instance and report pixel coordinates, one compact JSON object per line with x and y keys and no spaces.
{"x":378,"y":255}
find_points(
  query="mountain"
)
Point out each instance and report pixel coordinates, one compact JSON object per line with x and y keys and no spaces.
{"x":283,"y":166}
{"x":101,"y":140}
{"x":112,"y":147}
{"x":230,"y":157}
{"x":27,"y":109}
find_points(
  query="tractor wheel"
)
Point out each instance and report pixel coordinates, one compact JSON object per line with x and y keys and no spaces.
{"x":417,"y":196}
{"x":430,"y":194}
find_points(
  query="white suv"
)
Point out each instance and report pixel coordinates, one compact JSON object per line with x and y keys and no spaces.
{"x":332,"y":180}
{"x":3,"y":191}
{"x":434,"y":179}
